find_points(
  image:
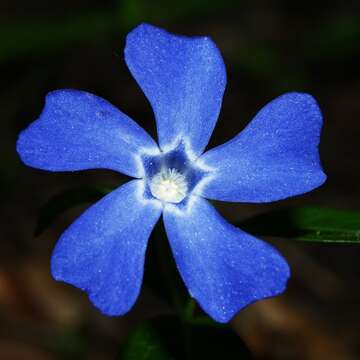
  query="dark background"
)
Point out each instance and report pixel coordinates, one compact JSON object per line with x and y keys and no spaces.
{"x":269,"y":47}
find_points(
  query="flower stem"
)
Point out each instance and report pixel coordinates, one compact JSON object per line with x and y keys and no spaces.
{"x":189,"y":310}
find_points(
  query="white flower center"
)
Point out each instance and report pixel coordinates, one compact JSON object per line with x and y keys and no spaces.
{"x":169,"y":185}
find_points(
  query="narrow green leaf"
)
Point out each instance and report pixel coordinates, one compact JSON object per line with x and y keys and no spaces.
{"x":307,"y":224}
{"x":64,"y":201}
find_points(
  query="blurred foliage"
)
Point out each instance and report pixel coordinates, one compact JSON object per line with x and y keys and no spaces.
{"x":144,"y":343}
{"x":31,"y":36}
{"x":71,"y":343}
{"x":340,"y":37}
{"x":166,"y":338}
{"x":64,"y":201}
{"x":34,"y":36}
{"x":161,"y":274}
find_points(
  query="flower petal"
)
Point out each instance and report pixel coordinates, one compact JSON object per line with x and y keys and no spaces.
{"x":184,"y":79}
{"x":223,"y":267}
{"x":275,"y":157}
{"x":78,"y":131}
{"x":103,"y":251}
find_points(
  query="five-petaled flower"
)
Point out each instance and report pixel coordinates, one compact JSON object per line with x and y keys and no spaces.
{"x":184,"y":78}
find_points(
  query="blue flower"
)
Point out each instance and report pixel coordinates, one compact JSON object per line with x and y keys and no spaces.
{"x":184,"y":78}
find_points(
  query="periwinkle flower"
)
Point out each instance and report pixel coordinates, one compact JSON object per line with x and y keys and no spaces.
{"x":275,"y":157}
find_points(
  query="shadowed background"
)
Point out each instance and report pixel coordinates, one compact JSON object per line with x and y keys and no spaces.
{"x":269,"y":48}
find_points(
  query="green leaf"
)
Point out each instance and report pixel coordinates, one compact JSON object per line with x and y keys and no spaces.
{"x":64,"y":201}
{"x":168,"y":338}
{"x":307,"y":224}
